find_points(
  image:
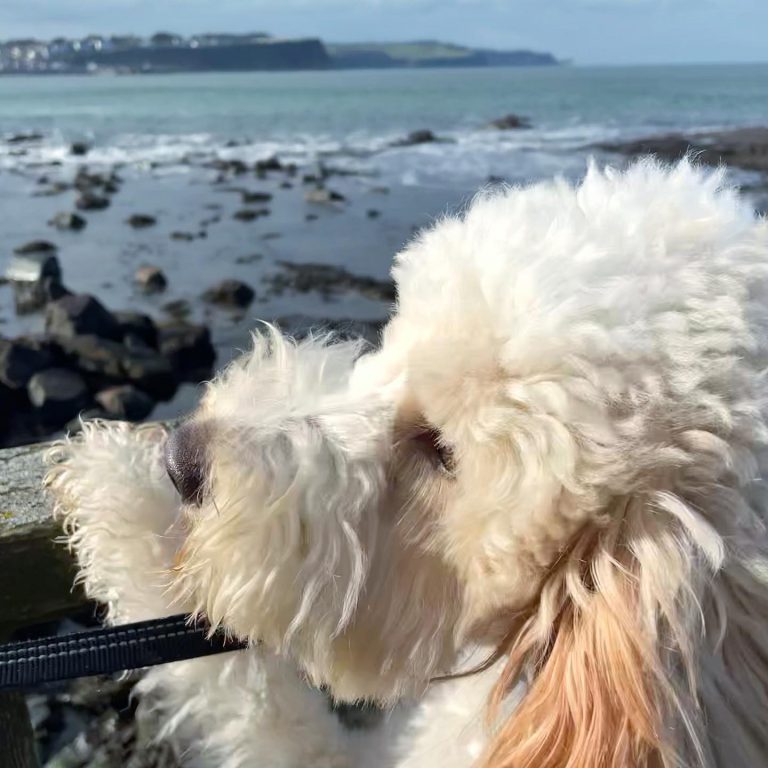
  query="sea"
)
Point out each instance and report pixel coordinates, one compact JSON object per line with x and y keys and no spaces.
{"x":160,"y":133}
{"x":353,"y":116}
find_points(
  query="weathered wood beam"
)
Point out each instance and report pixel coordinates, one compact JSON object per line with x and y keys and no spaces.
{"x":36,"y":577}
{"x":36,"y":574}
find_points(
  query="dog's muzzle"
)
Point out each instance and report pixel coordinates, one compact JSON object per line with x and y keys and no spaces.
{"x":185,"y":461}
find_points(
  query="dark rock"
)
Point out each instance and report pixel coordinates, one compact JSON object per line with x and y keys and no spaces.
{"x":510,"y":122}
{"x":125,"y":402}
{"x":238,"y":167}
{"x":286,"y":185}
{"x":372,"y":213}
{"x":85,"y":181}
{"x":327,"y":280}
{"x":68,"y":221}
{"x":249,"y":258}
{"x":178,"y":308}
{"x":230,"y":293}
{"x":185,"y":236}
{"x":323,"y":196}
{"x":79,"y":148}
{"x":52,"y":289}
{"x":151,"y":372}
{"x":78,"y":314}
{"x":415,"y":138}
{"x":188,"y":347}
{"x":100,"y":359}
{"x":141,"y":221}
{"x":91,"y":202}
{"x":23,"y":138}
{"x":133,"y":342}
{"x":269,"y":164}
{"x":35,"y":246}
{"x":255,"y":197}
{"x":20,"y":359}
{"x":7,"y":407}
{"x":105,"y":362}
{"x":234,"y":166}
{"x":57,"y":394}
{"x":151,"y":279}
{"x":24,"y":427}
{"x":311,"y":217}
{"x":138,"y":325}
{"x":745,"y":148}
{"x":250,"y":214}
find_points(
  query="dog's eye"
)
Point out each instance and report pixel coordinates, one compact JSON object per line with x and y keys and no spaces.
{"x":433,"y":444}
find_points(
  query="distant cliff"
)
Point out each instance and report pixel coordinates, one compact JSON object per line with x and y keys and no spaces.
{"x":267,"y":55}
{"x":170,"y":52}
{"x":430,"y":53}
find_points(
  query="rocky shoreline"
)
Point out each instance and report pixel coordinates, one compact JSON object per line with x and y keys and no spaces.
{"x":193,"y":275}
{"x":744,"y":148}
{"x":87,"y":361}
{"x":92,"y":363}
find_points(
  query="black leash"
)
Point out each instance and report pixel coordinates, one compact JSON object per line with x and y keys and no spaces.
{"x":105,"y":651}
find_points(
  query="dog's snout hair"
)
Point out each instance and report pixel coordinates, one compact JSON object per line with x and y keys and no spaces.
{"x":185,"y":460}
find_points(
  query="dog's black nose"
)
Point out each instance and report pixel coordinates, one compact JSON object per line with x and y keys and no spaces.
{"x":185,"y":461}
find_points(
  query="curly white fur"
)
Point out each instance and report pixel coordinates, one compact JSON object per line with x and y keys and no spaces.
{"x":556,"y":460}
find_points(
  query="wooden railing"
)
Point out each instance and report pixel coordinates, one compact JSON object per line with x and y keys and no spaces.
{"x":36,"y":580}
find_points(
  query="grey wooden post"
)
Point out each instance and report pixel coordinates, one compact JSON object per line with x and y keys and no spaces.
{"x":36,"y":578}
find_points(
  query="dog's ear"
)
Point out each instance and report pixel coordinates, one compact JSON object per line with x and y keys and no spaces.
{"x":607,"y":653}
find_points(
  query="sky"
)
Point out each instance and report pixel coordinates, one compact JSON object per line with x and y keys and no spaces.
{"x":585,"y":31}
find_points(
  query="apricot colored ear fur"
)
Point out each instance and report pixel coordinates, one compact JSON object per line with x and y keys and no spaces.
{"x":592,"y":700}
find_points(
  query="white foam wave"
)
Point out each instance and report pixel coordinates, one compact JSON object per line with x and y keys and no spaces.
{"x":466,"y":155}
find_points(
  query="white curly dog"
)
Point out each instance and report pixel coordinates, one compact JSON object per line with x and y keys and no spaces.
{"x":551,"y":476}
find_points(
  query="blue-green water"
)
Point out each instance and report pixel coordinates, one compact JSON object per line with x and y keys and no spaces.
{"x":353,"y":115}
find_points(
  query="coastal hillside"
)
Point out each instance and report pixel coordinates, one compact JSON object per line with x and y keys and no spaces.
{"x":429,"y":53}
{"x":267,"y":54}
{"x":170,"y":52}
